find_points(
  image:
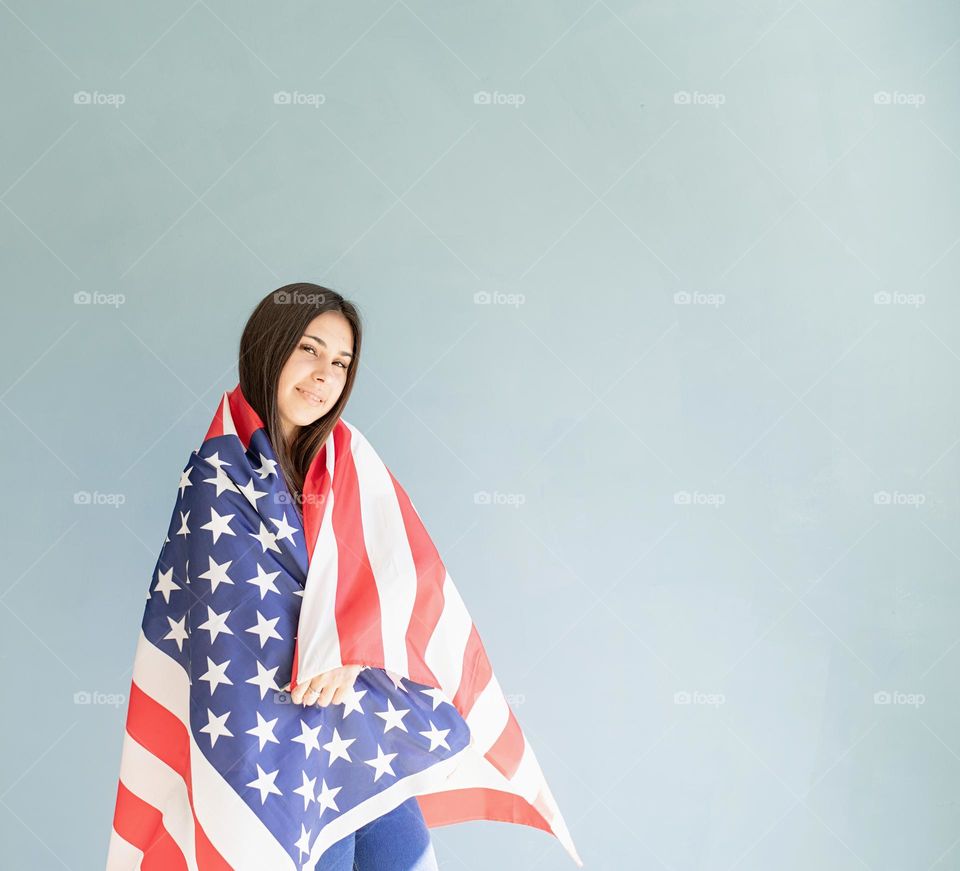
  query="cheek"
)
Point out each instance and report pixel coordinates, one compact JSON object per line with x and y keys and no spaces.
{"x":341,"y":383}
{"x":293,"y":372}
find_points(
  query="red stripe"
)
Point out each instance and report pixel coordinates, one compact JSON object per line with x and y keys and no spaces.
{"x":507,"y":750}
{"x":428,"y":603}
{"x":477,"y":672}
{"x":316,"y":491}
{"x":357,"y":606}
{"x":478,"y":803}
{"x":162,"y":733}
{"x":245,"y":420}
{"x":141,"y":824}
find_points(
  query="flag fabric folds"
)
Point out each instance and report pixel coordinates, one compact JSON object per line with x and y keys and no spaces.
{"x":219,"y":768}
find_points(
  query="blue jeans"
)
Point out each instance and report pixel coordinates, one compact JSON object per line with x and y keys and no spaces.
{"x":397,"y":841}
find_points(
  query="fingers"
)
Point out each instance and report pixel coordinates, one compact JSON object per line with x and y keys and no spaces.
{"x":330,"y":687}
{"x":327,"y":694}
{"x":308,"y":693}
{"x":318,"y":691}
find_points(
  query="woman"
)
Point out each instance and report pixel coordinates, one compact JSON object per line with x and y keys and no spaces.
{"x":312,"y":390}
{"x":313,"y":573}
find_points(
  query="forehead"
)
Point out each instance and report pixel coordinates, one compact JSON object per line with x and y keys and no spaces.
{"x":333,"y":328}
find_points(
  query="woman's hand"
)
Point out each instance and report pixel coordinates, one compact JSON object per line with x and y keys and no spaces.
{"x":331,"y":686}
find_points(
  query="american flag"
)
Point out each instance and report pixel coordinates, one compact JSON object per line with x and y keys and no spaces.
{"x":219,"y":768}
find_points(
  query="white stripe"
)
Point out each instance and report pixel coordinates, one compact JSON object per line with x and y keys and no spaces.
{"x":488,"y":716}
{"x":152,"y":780}
{"x":388,"y":550}
{"x":318,"y":639}
{"x":229,"y":823}
{"x":527,"y":782}
{"x":122,"y":855}
{"x":529,"y":778}
{"x":448,"y":643}
{"x":383,"y":802}
{"x":228,"y":426}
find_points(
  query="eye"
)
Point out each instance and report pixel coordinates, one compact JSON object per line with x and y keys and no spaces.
{"x":307,"y":347}
{"x":341,"y":363}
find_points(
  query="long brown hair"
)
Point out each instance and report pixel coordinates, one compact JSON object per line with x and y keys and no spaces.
{"x":270,"y":336}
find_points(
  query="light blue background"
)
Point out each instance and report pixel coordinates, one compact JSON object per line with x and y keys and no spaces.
{"x":785,"y":389}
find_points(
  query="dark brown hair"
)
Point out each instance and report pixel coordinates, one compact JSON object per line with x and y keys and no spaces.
{"x":270,"y":336}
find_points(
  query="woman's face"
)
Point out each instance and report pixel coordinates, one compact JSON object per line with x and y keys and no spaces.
{"x":313,"y":377}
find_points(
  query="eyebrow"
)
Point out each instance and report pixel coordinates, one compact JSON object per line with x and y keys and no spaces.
{"x":321,"y":342}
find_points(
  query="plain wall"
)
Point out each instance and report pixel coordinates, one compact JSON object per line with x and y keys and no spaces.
{"x":709,"y":381}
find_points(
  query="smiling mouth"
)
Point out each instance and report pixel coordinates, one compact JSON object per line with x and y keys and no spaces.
{"x":312,"y":398}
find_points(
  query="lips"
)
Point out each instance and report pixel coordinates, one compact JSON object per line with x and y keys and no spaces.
{"x":312,"y":398}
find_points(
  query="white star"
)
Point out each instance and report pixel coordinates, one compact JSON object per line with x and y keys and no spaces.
{"x":217,"y":573}
{"x":284,"y":529}
{"x":303,"y":842}
{"x":351,"y":701}
{"x":397,"y":680}
{"x":265,"y":581}
{"x":307,"y":789}
{"x":216,"y":623}
{"x":382,"y":763}
{"x":222,"y":482}
{"x":265,"y":784}
{"x":435,"y":694}
{"x":308,"y":737}
{"x":216,"y":674}
{"x":251,"y":492}
{"x":165,"y":585}
{"x":267,"y":467}
{"x":219,"y":524}
{"x":337,"y":748}
{"x":264,"y":730}
{"x":264,"y":679}
{"x":177,"y":631}
{"x":216,"y":727}
{"x":266,"y":538}
{"x":185,"y":480}
{"x":393,"y":717}
{"x":438,"y":737}
{"x":183,"y":530}
{"x":265,"y":629}
{"x":215,"y":461}
{"x":327,"y":797}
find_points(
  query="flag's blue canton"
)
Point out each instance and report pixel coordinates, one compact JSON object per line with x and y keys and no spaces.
{"x":224,"y":602}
